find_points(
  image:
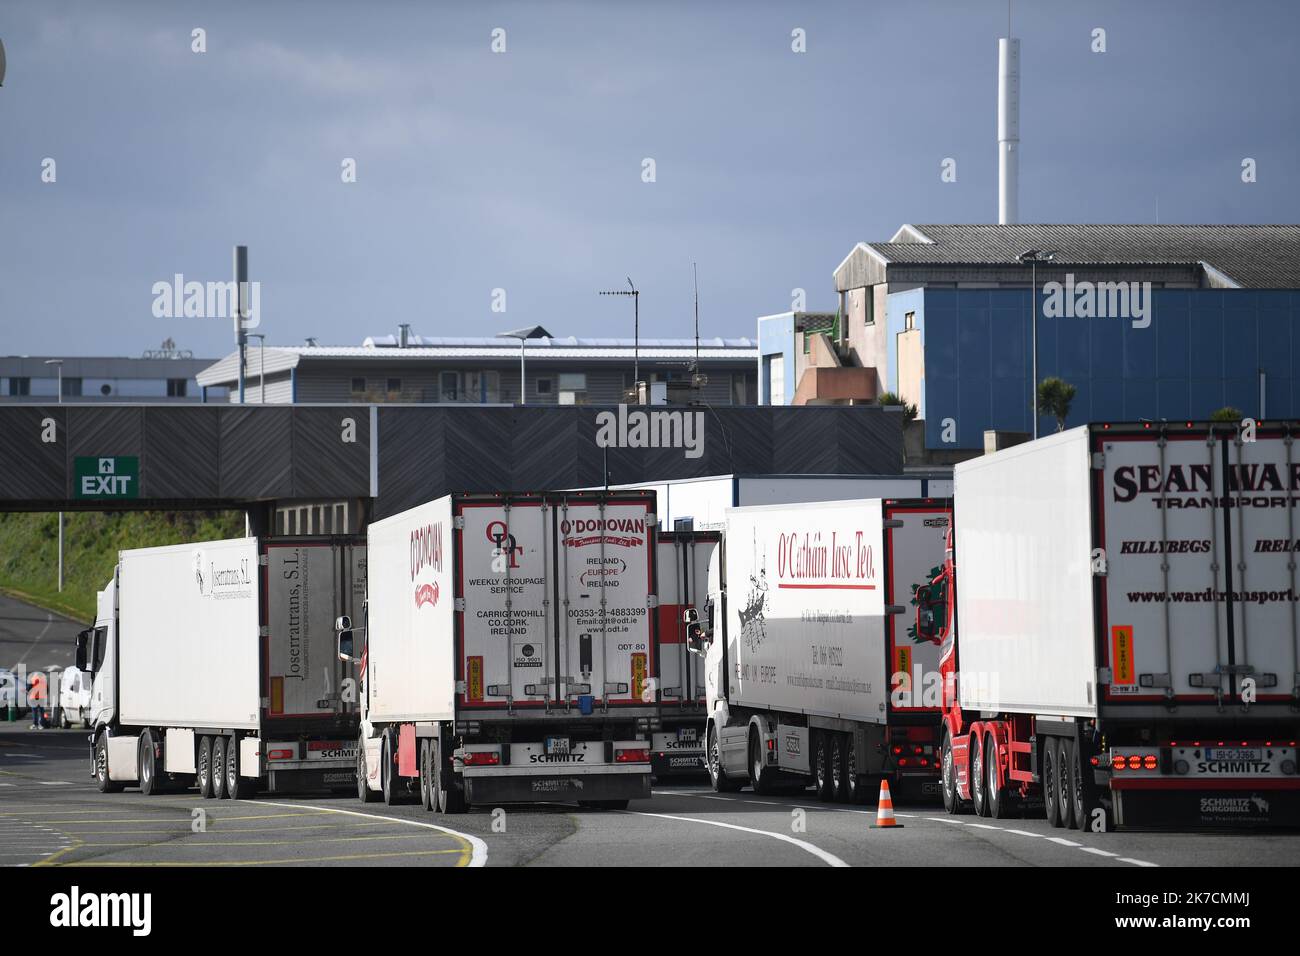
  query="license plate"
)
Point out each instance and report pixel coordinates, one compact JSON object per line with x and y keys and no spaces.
{"x":1233,"y":753}
{"x":687,"y":734}
{"x":557,"y":745}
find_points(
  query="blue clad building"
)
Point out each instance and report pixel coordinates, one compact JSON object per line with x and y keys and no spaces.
{"x":1147,"y":322}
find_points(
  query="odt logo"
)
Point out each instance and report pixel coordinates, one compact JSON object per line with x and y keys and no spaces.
{"x":75,"y":909}
{"x":208,"y":300}
{"x":1098,"y":300}
{"x":654,"y":429}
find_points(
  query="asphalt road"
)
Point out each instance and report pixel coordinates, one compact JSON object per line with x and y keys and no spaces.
{"x":34,"y":637}
{"x":50,"y":814}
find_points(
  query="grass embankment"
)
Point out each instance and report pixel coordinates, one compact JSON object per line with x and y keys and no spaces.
{"x":29,"y":550}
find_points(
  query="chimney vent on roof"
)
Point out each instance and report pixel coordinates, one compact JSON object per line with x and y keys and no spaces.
{"x":403,"y":335}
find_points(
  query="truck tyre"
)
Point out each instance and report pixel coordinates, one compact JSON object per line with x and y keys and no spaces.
{"x":426,"y":777}
{"x":859,"y":788}
{"x":948,"y":777}
{"x":1083,"y":791}
{"x":995,"y":796}
{"x":1047,"y":777}
{"x":389,"y":780}
{"x":713,"y":758}
{"x":840,"y":788}
{"x":1064,"y":803}
{"x":759,"y":777}
{"x":102,"y":783}
{"x":449,"y":794}
{"x":975,"y":774}
{"x":203,"y":768}
{"x":822,"y":780}
{"x":238,"y":787}
{"x":217,"y":768}
{"x":147,"y":765}
{"x":364,"y":793}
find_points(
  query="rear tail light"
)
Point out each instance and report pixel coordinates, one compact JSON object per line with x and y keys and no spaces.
{"x":902,"y":761}
{"x":771,"y":743}
{"x":1149,"y":762}
{"x":1117,"y":762}
{"x":1135,"y":762}
{"x":280,"y":755}
{"x":897,"y":750}
{"x":482,"y":758}
{"x":632,"y":756}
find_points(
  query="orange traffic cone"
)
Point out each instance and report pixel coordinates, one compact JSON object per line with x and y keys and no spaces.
{"x":885,"y":809}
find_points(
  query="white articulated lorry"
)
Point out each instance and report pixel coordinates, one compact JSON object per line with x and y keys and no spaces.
{"x":1124,"y":639}
{"x":812,"y":672}
{"x":508,"y":651}
{"x":214,"y":665}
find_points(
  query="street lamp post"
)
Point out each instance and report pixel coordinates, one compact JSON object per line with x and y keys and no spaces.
{"x":58,"y":364}
{"x":523,"y":335}
{"x":1033,"y":257}
{"x":636,"y":332}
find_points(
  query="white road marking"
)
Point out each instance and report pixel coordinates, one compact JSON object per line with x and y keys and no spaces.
{"x":478,"y":849}
{"x":1093,"y":849}
{"x":49,"y":622}
{"x":828,"y":858}
{"x":1024,"y":833}
{"x":1063,"y":841}
{"x":1129,"y":859}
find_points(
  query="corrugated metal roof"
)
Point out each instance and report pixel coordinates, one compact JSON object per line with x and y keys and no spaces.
{"x":279,"y":359}
{"x":1252,"y":256}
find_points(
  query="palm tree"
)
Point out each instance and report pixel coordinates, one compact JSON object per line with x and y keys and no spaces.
{"x":1055,"y":396}
{"x":889,"y":398}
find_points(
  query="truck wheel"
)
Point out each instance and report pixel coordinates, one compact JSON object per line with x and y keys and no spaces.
{"x":364,"y":793}
{"x":203,"y":768}
{"x":102,"y":782}
{"x":1083,"y":792}
{"x":975,"y":774}
{"x":1065,"y":805}
{"x":713,"y":760}
{"x":1048,"y":777}
{"x":952,"y":801}
{"x":994,"y":795}
{"x":840,"y":768}
{"x":390,"y":781}
{"x":823,"y":783}
{"x":426,"y":775}
{"x":217,"y":768}
{"x":858,"y":790}
{"x":147,"y":765}
{"x":238,"y":787}
{"x":758,"y":776}
{"x":450,"y":795}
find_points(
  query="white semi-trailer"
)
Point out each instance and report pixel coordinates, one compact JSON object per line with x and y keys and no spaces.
{"x":508,"y":651}
{"x":213,"y":665}
{"x":1123,"y":639}
{"x":812,"y":671}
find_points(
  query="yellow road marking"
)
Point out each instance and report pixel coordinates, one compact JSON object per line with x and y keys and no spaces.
{"x":305,"y":859}
{"x":204,"y":844}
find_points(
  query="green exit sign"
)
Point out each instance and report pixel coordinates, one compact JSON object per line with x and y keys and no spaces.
{"x":107,"y":478}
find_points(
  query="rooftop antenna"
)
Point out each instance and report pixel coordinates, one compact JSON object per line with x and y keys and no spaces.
{"x":1008,"y":127}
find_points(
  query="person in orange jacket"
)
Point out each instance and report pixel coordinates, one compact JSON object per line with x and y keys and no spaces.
{"x":36,"y":696}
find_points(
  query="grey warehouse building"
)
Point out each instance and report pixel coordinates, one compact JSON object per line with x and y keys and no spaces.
{"x":558,"y":371}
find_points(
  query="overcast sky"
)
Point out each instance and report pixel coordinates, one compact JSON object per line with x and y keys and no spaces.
{"x":523,"y":170}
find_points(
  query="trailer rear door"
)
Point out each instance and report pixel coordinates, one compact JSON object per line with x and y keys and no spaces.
{"x":915,"y":551}
{"x":1198,"y":532}
{"x":683,"y":569}
{"x":309,"y":584}
{"x":605,"y":585}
